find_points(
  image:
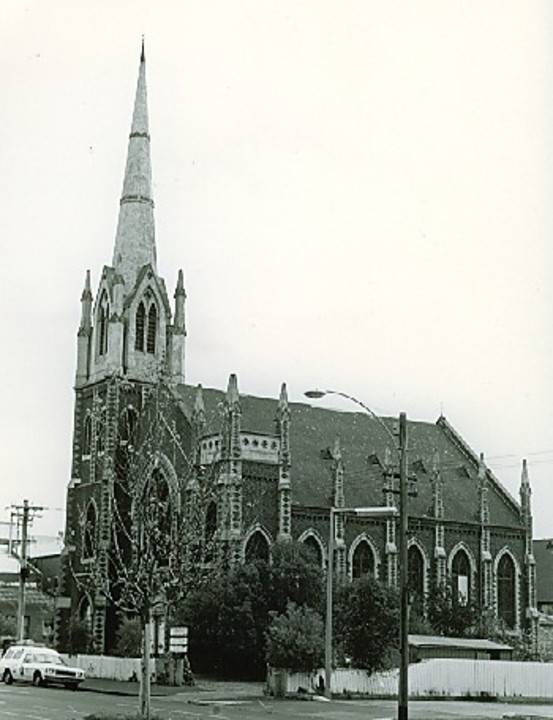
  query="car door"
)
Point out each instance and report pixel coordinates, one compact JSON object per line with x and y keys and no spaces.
{"x":27,"y":667}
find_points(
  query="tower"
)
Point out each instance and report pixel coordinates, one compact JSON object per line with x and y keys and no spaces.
{"x":127,"y":336}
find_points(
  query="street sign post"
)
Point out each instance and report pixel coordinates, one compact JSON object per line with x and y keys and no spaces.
{"x":178,"y":640}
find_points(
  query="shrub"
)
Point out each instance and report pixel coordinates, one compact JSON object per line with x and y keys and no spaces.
{"x":129,"y":638}
{"x":295,"y":639}
{"x":366,"y":622}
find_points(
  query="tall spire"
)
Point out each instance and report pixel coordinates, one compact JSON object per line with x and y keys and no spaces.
{"x":135,"y":239}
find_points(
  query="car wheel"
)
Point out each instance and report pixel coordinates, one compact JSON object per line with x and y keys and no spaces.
{"x":7,"y":677}
{"x":37,"y":679}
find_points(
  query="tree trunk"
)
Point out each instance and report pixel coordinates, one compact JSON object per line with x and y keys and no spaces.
{"x":145,"y":676}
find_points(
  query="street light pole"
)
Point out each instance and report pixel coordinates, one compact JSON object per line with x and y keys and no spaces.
{"x":363,"y":512}
{"x":403,"y":690}
{"x":328,"y":618}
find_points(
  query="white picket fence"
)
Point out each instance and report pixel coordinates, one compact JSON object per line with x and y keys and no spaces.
{"x":431,"y":678}
{"x":104,"y":667}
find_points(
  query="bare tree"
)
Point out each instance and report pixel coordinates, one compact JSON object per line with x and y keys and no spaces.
{"x":162,"y":543}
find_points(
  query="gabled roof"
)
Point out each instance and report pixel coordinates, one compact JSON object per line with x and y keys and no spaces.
{"x":313,"y":429}
{"x":159,"y":282}
{"x":437,"y":641}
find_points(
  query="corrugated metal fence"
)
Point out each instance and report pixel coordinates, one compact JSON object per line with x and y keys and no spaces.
{"x":438,"y":677}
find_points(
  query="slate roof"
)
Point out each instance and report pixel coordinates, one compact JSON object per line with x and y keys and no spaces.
{"x":314,"y":428}
{"x":544,"y":569}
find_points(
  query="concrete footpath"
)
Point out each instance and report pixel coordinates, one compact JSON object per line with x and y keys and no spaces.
{"x":204,"y":689}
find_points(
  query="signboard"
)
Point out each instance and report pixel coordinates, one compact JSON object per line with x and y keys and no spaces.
{"x":63,"y":602}
{"x":178,"y":639}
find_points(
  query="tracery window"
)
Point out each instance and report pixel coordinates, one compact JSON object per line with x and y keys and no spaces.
{"x":89,"y":534}
{"x":139,"y":325}
{"x":506,"y":591}
{"x":314,"y":549}
{"x":152,"y":329}
{"x":127,"y":426}
{"x":460,"y":572}
{"x":415,"y":564}
{"x":257,"y":548}
{"x":363,"y":560}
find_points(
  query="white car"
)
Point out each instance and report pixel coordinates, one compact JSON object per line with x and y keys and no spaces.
{"x":38,"y":665}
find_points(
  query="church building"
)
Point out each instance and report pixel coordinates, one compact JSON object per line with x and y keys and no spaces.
{"x":281,"y":465}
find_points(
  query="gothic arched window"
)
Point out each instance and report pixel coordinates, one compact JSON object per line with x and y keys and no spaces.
{"x":85,"y":612}
{"x":362,"y":562}
{"x":89,"y":534}
{"x":101,"y":431}
{"x":103,"y":325}
{"x":127,"y":426}
{"x":415,"y":566}
{"x":314,"y":550}
{"x":87,"y":435}
{"x":257,"y":548}
{"x":140,"y":322}
{"x":152,"y":329}
{"x":210,"y":521}
{"x":460,"y":572}
{"x":506,"y":596}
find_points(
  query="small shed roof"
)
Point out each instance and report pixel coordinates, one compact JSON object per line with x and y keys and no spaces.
{"x":451,"y":642}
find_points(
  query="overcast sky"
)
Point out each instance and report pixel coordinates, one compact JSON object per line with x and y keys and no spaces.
{"x":359,"y":194}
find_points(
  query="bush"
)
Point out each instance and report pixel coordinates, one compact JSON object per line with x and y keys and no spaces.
{"x":80,"y":637}
{"x":449,"y":617}
{"x":295,"y":639}
{"x":366,"y":622}
{"x":229,"y":616}
{"x":129,"y":638}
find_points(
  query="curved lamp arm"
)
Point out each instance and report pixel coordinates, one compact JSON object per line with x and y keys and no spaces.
{"x":317,"y":394}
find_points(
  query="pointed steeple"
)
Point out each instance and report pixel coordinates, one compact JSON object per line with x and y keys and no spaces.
{"x":135,"y":238}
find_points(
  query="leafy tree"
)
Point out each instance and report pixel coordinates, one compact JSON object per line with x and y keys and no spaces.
{"x":294,"y":577}
{"x":366,"y":622}
{"x":8,"y":626}
{"x":295,"y":639}
{"x":447,"y":616}
{"x":229,"y":616}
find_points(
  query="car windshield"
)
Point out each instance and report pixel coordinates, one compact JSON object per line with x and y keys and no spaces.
{"x":52,"y":658}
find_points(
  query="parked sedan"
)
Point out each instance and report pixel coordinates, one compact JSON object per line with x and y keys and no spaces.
{"x":38,"y":665}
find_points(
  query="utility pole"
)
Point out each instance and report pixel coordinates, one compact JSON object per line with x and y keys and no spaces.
{"x":23,"y":512}
{"x":403,"y":693}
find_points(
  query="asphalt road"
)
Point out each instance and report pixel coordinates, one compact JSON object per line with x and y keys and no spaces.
{"x":29,"y":703}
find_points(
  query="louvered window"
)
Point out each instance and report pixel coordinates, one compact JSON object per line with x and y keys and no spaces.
{"x":139,"y":328}
{"x":152,"y":330}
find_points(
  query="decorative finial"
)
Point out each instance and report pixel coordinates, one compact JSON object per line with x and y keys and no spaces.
{"x":283,"y":399}
{"x":142,"y":54}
